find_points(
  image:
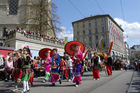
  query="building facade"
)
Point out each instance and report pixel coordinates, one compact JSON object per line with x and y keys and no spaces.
{"x":98,"y":31}
{"x":127,"y":57}
{"x":135,"y":53}
{"x":25,"y":14}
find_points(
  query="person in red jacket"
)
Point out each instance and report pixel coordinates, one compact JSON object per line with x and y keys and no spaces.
{"x":62,"y":67}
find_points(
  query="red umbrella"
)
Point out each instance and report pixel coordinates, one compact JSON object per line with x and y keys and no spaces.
{"x":69,"y":47}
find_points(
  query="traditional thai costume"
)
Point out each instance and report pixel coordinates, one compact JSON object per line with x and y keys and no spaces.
{"x":47,"y":61}
{"x":26,"y":72}
{"x":76,"y":49}
{"x":54,"y":68}
{"x":47,"y":68}
{"x":77,"y":67}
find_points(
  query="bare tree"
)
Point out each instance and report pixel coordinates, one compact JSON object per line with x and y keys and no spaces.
{"x":41,"y":16}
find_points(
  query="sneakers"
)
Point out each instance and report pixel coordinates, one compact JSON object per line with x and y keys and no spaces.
{"x":44,"y":81}
{"x":16,"y":89}
{"x":23,"y":91}
{"x":98,"y":79}
{"x":69,"y":80}
{"x":76,"y":85}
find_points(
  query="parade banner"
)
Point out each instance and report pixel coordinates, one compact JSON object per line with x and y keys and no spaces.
{"x":110,"y":47}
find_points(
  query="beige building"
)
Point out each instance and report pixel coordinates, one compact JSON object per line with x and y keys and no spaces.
{"x":18,"y":41}
{"x":98,"y":31}
{"x":26,"y":14}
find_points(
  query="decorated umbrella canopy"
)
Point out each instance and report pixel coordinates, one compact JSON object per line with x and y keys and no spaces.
{"x":42,"y":52}
{"x":70,"y":47}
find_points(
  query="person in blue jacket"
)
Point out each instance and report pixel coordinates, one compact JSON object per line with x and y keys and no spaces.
{"x":54,"y":67}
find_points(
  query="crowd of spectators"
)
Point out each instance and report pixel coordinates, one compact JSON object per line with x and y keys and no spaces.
{"x":7,"y":32}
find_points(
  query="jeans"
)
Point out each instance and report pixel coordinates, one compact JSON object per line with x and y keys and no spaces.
{"x":70,"y":73}
{"x":61,"y":74}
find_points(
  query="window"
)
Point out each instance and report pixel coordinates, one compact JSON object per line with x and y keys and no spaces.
{"x":77,"y":25}
{"x":90,"y":32}
{"x":83,"y":32}
{"x":90,"y":44}
{"x":77,"y":32}
{"x":95,"y":23}
{"x":89,"y":24}
{"x":102,"y":21}
{"x":103,"y":30}
{"x":90,"y":38}
{"x":13,"y":7}
{"x":96,"y":37}
{"x":96,"y":30}
{"x":83,"y":25}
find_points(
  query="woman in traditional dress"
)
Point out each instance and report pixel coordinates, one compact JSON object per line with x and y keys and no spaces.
{"x":45,"y":55}
{"x":26,"y":69}
{"x":54,"y":67}
{"x":76,"y":49}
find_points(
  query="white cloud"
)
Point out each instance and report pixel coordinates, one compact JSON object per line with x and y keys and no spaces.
{"x":65,"y":33}
{"x":131,"y":31}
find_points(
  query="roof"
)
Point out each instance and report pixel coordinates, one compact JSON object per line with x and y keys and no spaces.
{"x":98,"y":16}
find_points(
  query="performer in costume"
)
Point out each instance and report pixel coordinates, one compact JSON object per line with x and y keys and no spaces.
{"x":75,"y":49}
{"x":62,"y":68}
{"x":45,"y":55}
{"x":109,"y":65}
{"x":17,"y":69}
{"x":54,"y":67}
{"x":26,"y":69}
{"x":95,"y":60}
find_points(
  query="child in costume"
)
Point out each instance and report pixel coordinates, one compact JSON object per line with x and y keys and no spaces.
{"x":47,"y":66}
{"x":26,"y":69}
{"x":62,"y":67}
{"x":54,"y":67}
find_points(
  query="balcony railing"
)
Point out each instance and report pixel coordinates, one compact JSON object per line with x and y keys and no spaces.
{"x":30,"y":37}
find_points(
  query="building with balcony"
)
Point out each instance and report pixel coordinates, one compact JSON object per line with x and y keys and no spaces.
{"x":26,"y":14}
{"x":18,"y":40}
{"x":98,"y":31}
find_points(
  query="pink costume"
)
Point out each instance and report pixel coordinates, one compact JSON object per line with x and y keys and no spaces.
{"x":47,"y":66}
{"x":77,"y":67}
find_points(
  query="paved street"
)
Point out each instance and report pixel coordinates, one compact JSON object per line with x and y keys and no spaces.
{"x":117,"y":83}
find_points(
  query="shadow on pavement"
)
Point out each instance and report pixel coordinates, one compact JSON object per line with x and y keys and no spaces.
{"x":6,"y":91}
{"x":49,"y":85}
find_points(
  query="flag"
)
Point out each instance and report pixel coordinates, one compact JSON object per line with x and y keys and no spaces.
{"x":110,"y":47}
{"x":86,"y":53}
{"x":66,"y":40}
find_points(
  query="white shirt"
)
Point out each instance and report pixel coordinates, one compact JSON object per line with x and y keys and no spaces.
{"x":69,"y":63}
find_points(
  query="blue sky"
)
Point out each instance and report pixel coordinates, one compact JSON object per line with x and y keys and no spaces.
{"x":129,"y":18}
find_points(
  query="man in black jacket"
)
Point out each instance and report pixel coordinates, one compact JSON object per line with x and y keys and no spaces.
{"x":95,"y":60}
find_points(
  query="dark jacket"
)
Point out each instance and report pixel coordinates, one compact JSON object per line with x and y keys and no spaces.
{"x":95,"y":61}
{"x":109,"y":61}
